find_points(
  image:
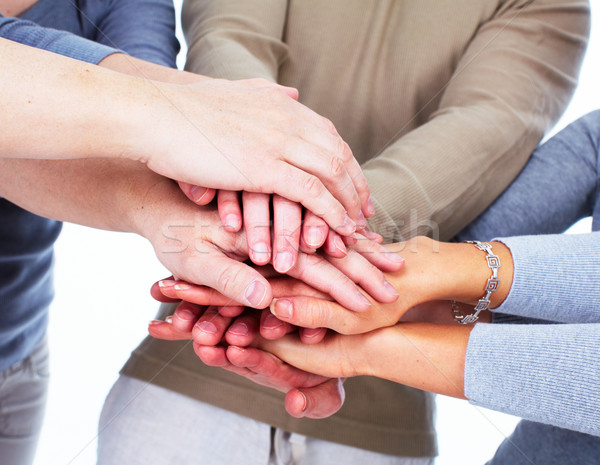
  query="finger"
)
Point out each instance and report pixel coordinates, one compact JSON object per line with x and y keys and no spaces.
{"x":377,"y":254}
{"x":197,"y":194}
{"x":287,"y":221}
{"x":202,"y":295}
{"x":326,"y":163}
{"x":210,"y":327}
{"x":322,"y":275}
{"x":163,"y":291}
{"x":231,"y":311}
{"x":299,"y":186}
{"x":368,"y":276}
{"x":231,"y":278}
{"x":334,"y":245}
{"x":166,"y":331}
{"x":316,"y":402}
{"x":314,"y":230}
{"x":258,"y":226}
{"x":314,"y":313}
{"x":243,"y":329}
{"x":185,"y":316}
{"x":270,"y":369}
{"x":230,"y":212}
{"x":312,"y":335}
{"x":213,"y":356}
{"x":273,"y":328}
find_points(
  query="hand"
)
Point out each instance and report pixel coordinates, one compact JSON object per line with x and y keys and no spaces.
{"x":250,"y":135}
{"x":289,"y":231}
{"x":307,"y":395}
{"x":333,"y":277}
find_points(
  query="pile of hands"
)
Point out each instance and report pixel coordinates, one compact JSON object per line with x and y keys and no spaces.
{"x":278,"y":261}
{"x":313,"y":289}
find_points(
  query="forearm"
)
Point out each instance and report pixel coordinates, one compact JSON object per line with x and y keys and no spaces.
{"x":100,"y":193}
{"x":47,"y":117}
{"x":544,"y":373}
{"x":235,"y":40}
{"x":506,"y":90}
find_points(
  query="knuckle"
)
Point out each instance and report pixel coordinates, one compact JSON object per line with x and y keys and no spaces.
{"x":227,"y":279}
{"x":312,"y":186}
{"x":337,"y":168}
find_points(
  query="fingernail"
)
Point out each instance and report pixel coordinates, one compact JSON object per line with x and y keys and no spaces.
{"x":261,"y":252}
{"x":310,"y":333}
{"x":370,"y":206}
{"x":198,"y":193}
{"x":389,"y":288}
{"x":394,"y":257}
{"x":304,"y":402}
{"x":283,"y":262}
{"x":207,"y":327}
{"x":362,"y":221}
{"x":271,"y":322}
{"x":185,"y":315}
{"x":165,"y":283}
{"x":169,"y":319}
{"x":315,"y":237}
{"x":255,"y":293}
{"x":282,"y":308}
{"x":155,"y":322}
{"x":232,"y":222}
{"x":239,"y":329}
{"x":362,"y":298}
{"x":338,"y":243}
{"x":182,"y":287}
{"x":373,"y":236}
{"x":349,"y":226}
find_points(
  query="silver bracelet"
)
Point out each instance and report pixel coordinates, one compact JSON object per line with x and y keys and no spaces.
{"x":493,"y":283}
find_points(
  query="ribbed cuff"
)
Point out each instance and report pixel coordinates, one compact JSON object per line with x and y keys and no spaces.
{"x":556,"y":277}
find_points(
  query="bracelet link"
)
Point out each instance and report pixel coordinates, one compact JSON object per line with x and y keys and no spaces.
{"x":492,"y":284}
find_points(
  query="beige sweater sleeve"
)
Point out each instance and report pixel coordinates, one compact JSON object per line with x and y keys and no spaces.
{"x":235,"y":39}
{"x":512,"y":83}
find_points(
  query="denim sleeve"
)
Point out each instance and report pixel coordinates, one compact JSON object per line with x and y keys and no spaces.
{"x":52,"y":40}
{"x":144,"y":29}
{"x":544,"y":373}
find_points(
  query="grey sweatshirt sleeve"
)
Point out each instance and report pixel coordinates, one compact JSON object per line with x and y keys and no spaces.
{"x":53,"y":40}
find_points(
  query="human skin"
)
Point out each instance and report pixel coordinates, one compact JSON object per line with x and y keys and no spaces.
{"x":209,"y":130}
{"x":423,"y":355}
{"x":123,"y":195}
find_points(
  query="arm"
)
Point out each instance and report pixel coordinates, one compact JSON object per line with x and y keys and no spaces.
{"x":511,"y":84}
{"x":544,"y":373}
{"x":235,"y":40}
{"x":211,"y":117}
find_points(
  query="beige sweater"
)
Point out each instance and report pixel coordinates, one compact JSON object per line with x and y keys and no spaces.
{"x":441,"y":101}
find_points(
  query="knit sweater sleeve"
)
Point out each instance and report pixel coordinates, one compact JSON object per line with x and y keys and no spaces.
{"x":53,"y":40}
{"x":543,"y":373}
{"x":556,"y":278}
{"x":235,"y":39}
{"x":512,"y":82}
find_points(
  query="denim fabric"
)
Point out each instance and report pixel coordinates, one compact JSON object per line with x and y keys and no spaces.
{"x":23,"y":389}
{"x":143,"y":423}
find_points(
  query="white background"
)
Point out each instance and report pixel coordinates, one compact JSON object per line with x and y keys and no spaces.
{"x":102,"y":307}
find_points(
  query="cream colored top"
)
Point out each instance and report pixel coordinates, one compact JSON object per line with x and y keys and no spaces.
{"x":441,"y":101}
